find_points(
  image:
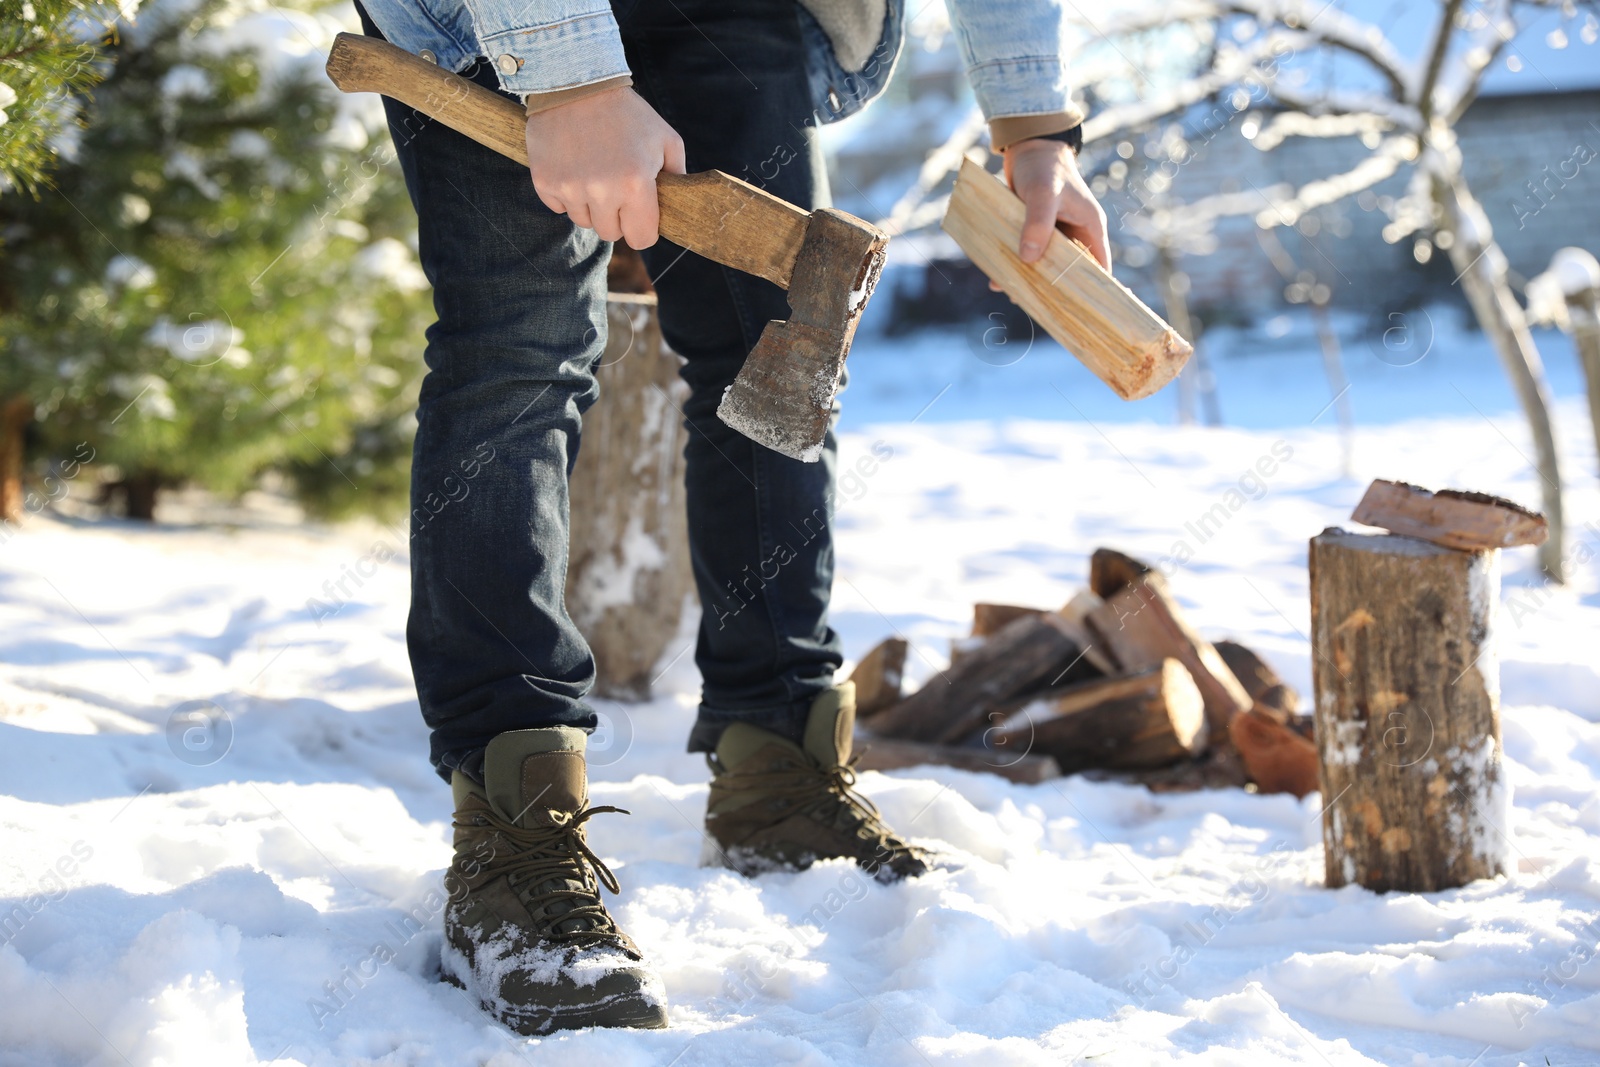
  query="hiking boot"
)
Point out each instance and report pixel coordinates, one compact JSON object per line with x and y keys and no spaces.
{"x":525,"y":930}
{"x":776,"y":805}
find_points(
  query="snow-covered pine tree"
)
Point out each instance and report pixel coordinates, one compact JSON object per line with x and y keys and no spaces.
{"x":48,"y":56}
{"x":219,"y":282}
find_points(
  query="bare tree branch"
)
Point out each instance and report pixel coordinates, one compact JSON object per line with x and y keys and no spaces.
{"x":1441,"y":46}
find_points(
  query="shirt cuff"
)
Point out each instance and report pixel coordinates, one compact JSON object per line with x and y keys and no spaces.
{"x":538,"y":102}
{"x":1007,"y":131}
{"x":575,"y":53}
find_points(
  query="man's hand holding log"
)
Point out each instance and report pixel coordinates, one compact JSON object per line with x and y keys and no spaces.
{"x":1045,"y":175}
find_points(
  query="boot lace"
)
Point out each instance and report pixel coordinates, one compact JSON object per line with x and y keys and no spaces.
{"x":828,"y":795}
{"x":542,"y":863}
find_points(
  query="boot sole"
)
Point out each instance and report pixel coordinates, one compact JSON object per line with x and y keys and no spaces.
{"x":743,"y":861}
{"x":753,"y":864}
{"x":632,"y":1013}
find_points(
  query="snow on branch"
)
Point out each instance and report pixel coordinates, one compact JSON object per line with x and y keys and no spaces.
{"x":1490,"y":28}
{"x":1328,"y":25}
{"x":1298,"y":124}
{"x":1256,"y":65}
{"x":1319,"y":23}
{"x":1189,"y":227}
{"x":1382,"y":164}
{"x":1348,"y":102}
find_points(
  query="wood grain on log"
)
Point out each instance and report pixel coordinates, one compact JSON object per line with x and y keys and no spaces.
{"x":1144,"y":720}
{"x":893,"y":754}
{"x":628,"y":575}
{"x":1029,"y":653}
{"x":1408,"y":715}
{"x":1141,"y":625}
{"x":1450,"y":517}
{"x":1092,"y":315}
{"x":878,"y":677}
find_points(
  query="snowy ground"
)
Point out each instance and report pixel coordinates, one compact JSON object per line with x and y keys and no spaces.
{"x":173,"y":899}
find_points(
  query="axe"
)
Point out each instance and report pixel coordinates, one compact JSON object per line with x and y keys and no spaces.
{"x":828,"y":261}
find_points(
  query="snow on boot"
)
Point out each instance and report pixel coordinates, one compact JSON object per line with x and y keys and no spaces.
{"x":525,"y":930}
{"x":775,"y":805}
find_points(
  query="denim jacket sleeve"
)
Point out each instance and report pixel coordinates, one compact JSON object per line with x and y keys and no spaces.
{"x":1013,"y":50}
{"x":547,"y":45}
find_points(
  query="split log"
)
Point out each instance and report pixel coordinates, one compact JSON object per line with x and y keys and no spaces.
{"x":628,"y":576}
{"x":878,"y":677}
{"x":893,"y":754}
{"x":1141,"y":625}
{"x":1029,"y":653}
{"x":1076,"y":611}
{"x":1450,"y":517}
{"x":988,"y":619}
{"x":1277,"y":758}
{"x":1151,"y":719}
{"x":1272,"y":695}
{"x":1094,"y":316}
{"x":1110,"y":571}
{"x":1408,"y":711}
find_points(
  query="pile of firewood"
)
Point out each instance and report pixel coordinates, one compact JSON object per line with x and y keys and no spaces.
{"x":1117,"y":683}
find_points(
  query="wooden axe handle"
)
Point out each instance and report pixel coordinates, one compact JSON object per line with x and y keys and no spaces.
{"x":715,"y":214}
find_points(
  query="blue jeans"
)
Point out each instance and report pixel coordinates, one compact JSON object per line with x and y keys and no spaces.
{"x":519,"y":293}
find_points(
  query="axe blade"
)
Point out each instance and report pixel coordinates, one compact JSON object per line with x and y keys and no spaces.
{"x":783,"y":396}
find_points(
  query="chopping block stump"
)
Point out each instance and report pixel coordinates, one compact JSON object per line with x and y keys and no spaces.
{"x":1407,"y":712}
{"x":628,"y":575}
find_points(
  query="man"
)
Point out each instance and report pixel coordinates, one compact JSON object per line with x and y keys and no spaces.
{"x":614,"y":96}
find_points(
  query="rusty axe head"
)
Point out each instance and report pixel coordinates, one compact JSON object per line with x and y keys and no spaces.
{"x":783,"y":397}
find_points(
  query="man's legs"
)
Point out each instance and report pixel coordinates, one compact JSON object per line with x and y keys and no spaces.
{"x":501,"y":672}
{"x":729,"y":78}
{"x":519,"y":292}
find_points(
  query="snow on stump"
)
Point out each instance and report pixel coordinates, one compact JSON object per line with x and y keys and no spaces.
{"x":1407,"y":711}
{"x":628,"y":575}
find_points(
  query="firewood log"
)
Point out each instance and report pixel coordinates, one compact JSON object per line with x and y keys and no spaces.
{"x":1277,"y":758}
{"x":1150,"y":719}
{"x":878,"y":677}
{"x":1450,"y":517}
{"x":1141,"y":624}
{"x":1029,"y":653}
{"x":1272,"y":695}
{"x":1110,"y":570}
{"x":988,"y":619}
